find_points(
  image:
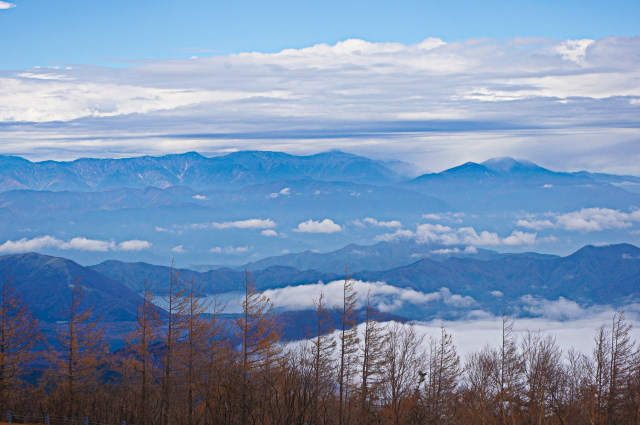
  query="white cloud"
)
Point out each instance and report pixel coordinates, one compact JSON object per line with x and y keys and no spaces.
{"x":178,"y":249}
{"x":535,"y":224}
{"x":325,"y":226}
{"x":398,"y":234}
{"x":497,"y":294}
{"x":560,"y":309}
{"x":448,"y":216}
{"x":385,"y":297}
{"x":475,"y":332}
{"x":252,"y":223}
{"x":200,"y":197}
{"x":284,"y":192}
{"x":78,"y":243}
{"x":234,"y":250}
{"x":269,"y":232}
{"x":596,"y":219}
{"x":569,"y":85}
{"x":374,"y":222}
{"x":84,"y":244}
{"x":445,"y":235}
{"x":133,"y":245}
{"x":24,"y":244}
{"x":6,"y":5}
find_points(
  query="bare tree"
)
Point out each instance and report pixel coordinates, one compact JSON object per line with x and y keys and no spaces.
{"x":176,"y":305}
{"x":83,"y":351}
{"x":402,"y":374}
{"x":259,"y":333}
{"x":140,"y":365}
{"x":322,"y":348}
{"x":348,"y":344}
{"x":374,"y":341}
{"x":442,"y":378}
{"x":20,"y":337}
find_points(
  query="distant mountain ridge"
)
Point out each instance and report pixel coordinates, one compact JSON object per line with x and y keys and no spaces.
{"x":591,"y":275}
{"x":507,"y":184}
{"x":190,"y":169}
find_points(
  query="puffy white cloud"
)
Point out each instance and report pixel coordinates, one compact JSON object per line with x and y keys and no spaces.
{"x":133,"y":245}
{"x":6,"y":5}
{"x":560,"y":309}
{"x":311,"y":226}
{"x":269,"y":232}
{"x":24,"y":244}
{"x":178,"y":249}
{"x":84,"y":244}
{"x":200,"y":197}
{"x":252,"y":223}
{"x":596,"y":219}
{"x":78,"y":243}
{"x":445,"y":235}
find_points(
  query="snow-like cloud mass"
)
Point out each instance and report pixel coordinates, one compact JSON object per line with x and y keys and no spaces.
{"x":6,"y":5}
{"x":445,"y":235}
{"x":252,"y":223}
{"x":385,"y":297}
{"x":596,"y":219}
{"x":312,"y":226}
{"x":78,"y":243}
{"x":584,"y":220}
{"x":446,"y":102}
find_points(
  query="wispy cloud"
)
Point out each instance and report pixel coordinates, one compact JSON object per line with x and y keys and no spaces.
{"x":6,"y":5}
{"x":234,"y":250}
{"x":79,"y":243}
{"x":252,"y":223}
{"x":284,"y":192}
{"x":351,"y":95}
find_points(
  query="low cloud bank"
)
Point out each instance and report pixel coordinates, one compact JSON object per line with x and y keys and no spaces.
{"x":79,"y":243}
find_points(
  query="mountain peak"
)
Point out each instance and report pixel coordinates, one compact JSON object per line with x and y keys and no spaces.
{"x":507,"y":163}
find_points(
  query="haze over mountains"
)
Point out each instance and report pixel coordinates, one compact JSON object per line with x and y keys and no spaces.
{"x":462,"y":243}
{"x":245,"y":206}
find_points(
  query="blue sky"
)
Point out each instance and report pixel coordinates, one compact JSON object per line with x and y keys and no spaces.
{"x":46,"y":33}
{"x":436,"y":83}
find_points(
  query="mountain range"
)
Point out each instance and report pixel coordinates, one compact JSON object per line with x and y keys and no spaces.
{"x":245,"y":207}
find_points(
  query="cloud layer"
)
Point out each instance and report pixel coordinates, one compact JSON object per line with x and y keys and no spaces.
{"x":433,"y":102}
{"x":584,"y":220}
